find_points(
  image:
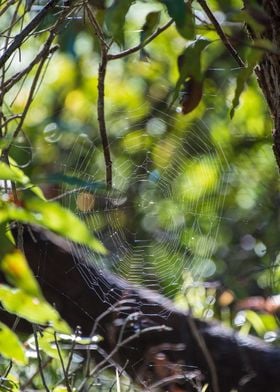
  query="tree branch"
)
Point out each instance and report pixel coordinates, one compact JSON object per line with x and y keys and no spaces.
{"x":115,"y":56}
{"x":243,"y":364}
{"x":101,"y":93}
{"x":221,"y":34}
{"x":18,"y":40}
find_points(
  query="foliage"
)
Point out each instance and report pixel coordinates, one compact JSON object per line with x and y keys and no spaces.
{"x":48,"y":130}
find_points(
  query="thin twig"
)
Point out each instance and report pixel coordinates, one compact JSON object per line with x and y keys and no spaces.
{"x":221,"y":33}
{"x":29,"y":381}
{"x":77,"y":332}
{"x":101,"y":93}
{"x":116,"y":307}
{"x":65,"y":374}
{"x":159,"y":30}
{"x":26,"y":31}
{"x":39,"y":359}
{"x":46,"y":50}
{"x":30,"y":96}
{"x":202,"y":345}
{"x":159,"y":328}
{"x":108,"y":357}
{"x":101,"y":118}
{"x":6,"y":373}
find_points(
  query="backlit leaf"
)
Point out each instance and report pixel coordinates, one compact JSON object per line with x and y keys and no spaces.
{"x":115,"y":19}
{"x":13,"y":173}
{"x":252,"y":59}
{"x":63,"y":222}
{"x":151,"y":23}
{"x":18,"y":273}
{"x":10,"y":346}
{"x":34,"y":309}
{"x":53,"y":217}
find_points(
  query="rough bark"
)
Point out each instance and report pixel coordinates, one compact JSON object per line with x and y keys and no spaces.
{"x":268,"y":70}
{"x":167,"y":346}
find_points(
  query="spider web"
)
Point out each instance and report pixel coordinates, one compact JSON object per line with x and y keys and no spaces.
{"x":161,"y":219}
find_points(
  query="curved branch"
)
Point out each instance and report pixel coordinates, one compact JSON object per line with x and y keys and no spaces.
{"x":134,"y":49}
{"x":166,"y":358}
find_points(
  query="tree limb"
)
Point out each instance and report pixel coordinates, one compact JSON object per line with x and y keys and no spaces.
{"x":169,"y":349}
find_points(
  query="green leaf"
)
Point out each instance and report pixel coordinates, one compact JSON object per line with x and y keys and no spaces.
{"x":58,"y":178}
{"x":252,"y":59}
{"x":183,"y":16}
{"x":255,"y":320}
{"x":15,"y":174}
{"x":18,"y":273}
{"x":34,"y":309}
{"x":189,"y":64}
{"x":246,"y":17}
{"x":115,"y":19}
{"x":46,"y":341}
{"x":10,"y":383}
{"x":151,"y":23}
{"x":61,"y":388}
{"x":53,"y":217}
{"x":12,"y":174}
{"x":63,"y":222}
{"x":10,"y":346}
{"x":6,"y":240}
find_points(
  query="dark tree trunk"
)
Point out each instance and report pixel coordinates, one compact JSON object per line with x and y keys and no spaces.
{"x":165,"y":345}
{"x":268,"y":70}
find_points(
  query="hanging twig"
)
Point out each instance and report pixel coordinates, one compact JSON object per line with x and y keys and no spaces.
{"x":159,"y":30}
{"x":30,"y":96}
{"x":221,"y":34}
{"x":29,"y":381}
{"x":101,"y":94}
{"x":39,"y":359}
{"x":26,"y":31}
{"x":202,"y":345}
{"x":65,"y":374}
{"x":100,"y":365}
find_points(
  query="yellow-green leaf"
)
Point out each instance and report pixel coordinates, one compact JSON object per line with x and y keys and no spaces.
{"x":115,"y":19}
{"x":53,"y":217}
{"x":63,"y":222}
{"x":245,"y":73}
{"x":12,"y":174}
{"x":15,"y":174}
{"x":10,"y":346}
{"x":33,"y":309}
{"x":18,"y":273}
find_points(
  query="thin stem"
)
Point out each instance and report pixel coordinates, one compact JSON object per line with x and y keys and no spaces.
{"x":202,"y":345}
{"x":159,"y":328}
{"x":39,"y":359}
{"x":101,"y":118}
{"x":65,"y":374}
{"x":77,"y":332}
{"x":30,"y":97}
{"x":29,"y":381}
{"x":43,"y":53}
{"x":100,"y":365}
{"x":26,"y":31}
{"x":221,"y":33}
{"x":136,"y":48}
{"x":101,"y":94}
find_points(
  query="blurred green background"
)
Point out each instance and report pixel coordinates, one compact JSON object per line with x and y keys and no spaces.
{"x":193,"y":211}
